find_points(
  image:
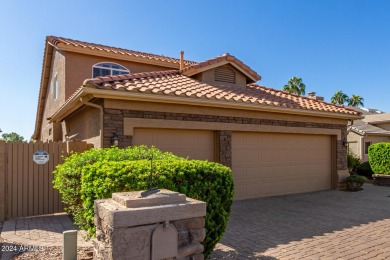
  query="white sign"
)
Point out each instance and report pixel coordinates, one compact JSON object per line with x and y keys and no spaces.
{"x":41,"y":157}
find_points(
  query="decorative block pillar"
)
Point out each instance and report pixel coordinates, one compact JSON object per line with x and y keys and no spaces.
{"x":164,"y":225}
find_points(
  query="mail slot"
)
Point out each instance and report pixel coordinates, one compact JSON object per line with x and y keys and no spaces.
{"x":164,"y":242}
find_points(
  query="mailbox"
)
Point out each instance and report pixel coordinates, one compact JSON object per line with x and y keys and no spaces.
{"x":164,"y":242}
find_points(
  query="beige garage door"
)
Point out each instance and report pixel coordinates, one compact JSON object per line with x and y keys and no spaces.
{"x":266,"y":164}
{"x":187,"y":143}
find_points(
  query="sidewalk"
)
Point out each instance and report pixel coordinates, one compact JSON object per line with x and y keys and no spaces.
{"x":38,"y":233}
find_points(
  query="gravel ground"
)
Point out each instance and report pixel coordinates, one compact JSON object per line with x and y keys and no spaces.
{"x":13,"y":251}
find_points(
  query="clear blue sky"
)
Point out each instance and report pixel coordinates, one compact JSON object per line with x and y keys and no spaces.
{"x":331,"y":45}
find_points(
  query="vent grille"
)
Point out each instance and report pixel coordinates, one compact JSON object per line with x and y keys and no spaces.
{"x":225,"y":74}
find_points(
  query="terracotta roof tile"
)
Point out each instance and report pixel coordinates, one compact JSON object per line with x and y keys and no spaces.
{"x":75,"y":43}
{"x":173,"y":83}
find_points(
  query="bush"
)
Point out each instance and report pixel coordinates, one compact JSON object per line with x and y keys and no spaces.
{"x":105,"y":174}
{"x":67,"y":176}
{"x":379,"y":155}
{"x":356,"y":178}
{"x":364,"y":169}
{"x":353,"y":162}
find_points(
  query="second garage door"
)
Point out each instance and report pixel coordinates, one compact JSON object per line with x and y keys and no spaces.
{"x":195,"y":144}
{"x":267,"y":164}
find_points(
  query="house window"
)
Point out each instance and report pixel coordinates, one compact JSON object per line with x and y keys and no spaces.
{"x":108,"y":69}
{"x":366,"y":145}
{"x":54,"y":87}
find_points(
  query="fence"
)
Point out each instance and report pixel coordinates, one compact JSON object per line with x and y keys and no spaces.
{"x":26,"y":187}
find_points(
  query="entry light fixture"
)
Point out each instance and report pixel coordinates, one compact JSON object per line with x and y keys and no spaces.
{"x":114,"y":140}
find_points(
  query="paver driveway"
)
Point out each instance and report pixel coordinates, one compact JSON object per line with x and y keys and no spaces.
{"x":320,"y":225}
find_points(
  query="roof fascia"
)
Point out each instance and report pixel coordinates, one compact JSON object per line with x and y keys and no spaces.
{"x":100,"y":93}
{"x":46,"y":68}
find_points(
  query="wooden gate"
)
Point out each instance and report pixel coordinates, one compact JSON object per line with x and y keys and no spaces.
{"x":26,"y":187}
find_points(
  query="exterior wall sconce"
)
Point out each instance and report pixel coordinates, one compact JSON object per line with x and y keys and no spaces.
{"x":345,"y":143}
{"x":114,"y":140}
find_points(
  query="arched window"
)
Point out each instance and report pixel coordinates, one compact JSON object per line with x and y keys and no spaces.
{"x":108,"y":69}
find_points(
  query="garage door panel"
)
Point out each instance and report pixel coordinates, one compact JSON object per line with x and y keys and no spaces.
{"x":266,"y":164}
{"x":186,"y":143}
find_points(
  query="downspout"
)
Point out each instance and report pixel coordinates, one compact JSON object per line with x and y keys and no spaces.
{"x":101,"y":117}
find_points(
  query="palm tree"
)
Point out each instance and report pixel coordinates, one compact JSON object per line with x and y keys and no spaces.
{"x":339,"y":98}
{"x":355,"y":101}
{"x":295,"y":86}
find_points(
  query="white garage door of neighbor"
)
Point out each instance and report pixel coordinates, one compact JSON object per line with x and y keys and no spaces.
{"x":268,"y":164}
{"x":186,"y":143}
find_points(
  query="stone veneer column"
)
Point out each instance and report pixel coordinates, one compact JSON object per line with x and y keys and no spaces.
{"x":113,"y":123}
{"x":225,"y":147}
{"x":125,"y":225}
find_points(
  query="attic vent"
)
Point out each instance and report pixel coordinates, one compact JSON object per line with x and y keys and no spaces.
{"x":225,"y":74}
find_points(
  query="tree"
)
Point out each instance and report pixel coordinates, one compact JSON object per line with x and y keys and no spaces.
{"x":355,"y":101}
{"x":295,"y":86}
{"x":339,"y":98}
{"x":12,"y":137}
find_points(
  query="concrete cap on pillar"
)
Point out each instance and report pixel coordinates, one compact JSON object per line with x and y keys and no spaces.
{"x":135,"y":200}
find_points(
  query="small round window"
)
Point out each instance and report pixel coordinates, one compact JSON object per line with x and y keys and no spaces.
{"x":108,"y":69}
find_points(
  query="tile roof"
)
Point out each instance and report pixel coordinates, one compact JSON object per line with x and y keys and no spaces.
{"x":363,"y":128}
{"x":98,"y":47}
{"x":224,"y":57}
{"x":385,"y":117}
{"x":173,"y":83}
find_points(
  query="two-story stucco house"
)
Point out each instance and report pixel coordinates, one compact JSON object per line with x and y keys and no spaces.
{"x":276,"y":143}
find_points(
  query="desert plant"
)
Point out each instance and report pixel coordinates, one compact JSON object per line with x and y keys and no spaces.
{"x":354,"y":182}
{"x":202,"y":180}
{"x":364,"y":169}
{"x":353,"y":162}
{"x":379,"y":156}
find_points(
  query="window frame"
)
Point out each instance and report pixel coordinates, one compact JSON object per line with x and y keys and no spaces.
{"x":111,"y":69}
{"x":366,"y":147}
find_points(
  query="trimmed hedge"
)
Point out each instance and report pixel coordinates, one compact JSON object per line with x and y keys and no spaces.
{"x":97,"y":174}
{"x":379,"y":155}
{"x":364,"y":169}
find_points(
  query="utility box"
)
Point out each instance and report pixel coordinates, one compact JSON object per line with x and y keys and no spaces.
{"x":163,"y":225}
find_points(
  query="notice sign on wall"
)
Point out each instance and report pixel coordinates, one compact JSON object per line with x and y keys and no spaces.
{"x":41,"y":157}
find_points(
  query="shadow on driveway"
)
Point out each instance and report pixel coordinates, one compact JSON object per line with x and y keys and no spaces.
{"x":303,"y":225}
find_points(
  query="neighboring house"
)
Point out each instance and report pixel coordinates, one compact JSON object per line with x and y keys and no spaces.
{"x":276,"y":143}
{"x":374,"y":128}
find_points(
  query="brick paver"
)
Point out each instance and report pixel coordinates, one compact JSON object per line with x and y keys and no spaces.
{"x":40,"y":231}
{"x":320,"y":225}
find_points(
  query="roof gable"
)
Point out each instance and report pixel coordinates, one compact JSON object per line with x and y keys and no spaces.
{"x":222,"y":60}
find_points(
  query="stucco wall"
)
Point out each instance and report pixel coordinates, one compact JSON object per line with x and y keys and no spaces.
{"x":84,"y":125}
{"x":79,"y":68}
{"x":52,"y":104}
{"x":354,"y":143}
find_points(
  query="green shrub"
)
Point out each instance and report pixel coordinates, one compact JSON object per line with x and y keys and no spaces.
{"x":379,"y":155}
{"x":356,"y":178}
{"x":353,"y":162}
{"x":67,"y":176}
{"x":105,"y":174}
{"x":364,"y":169}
